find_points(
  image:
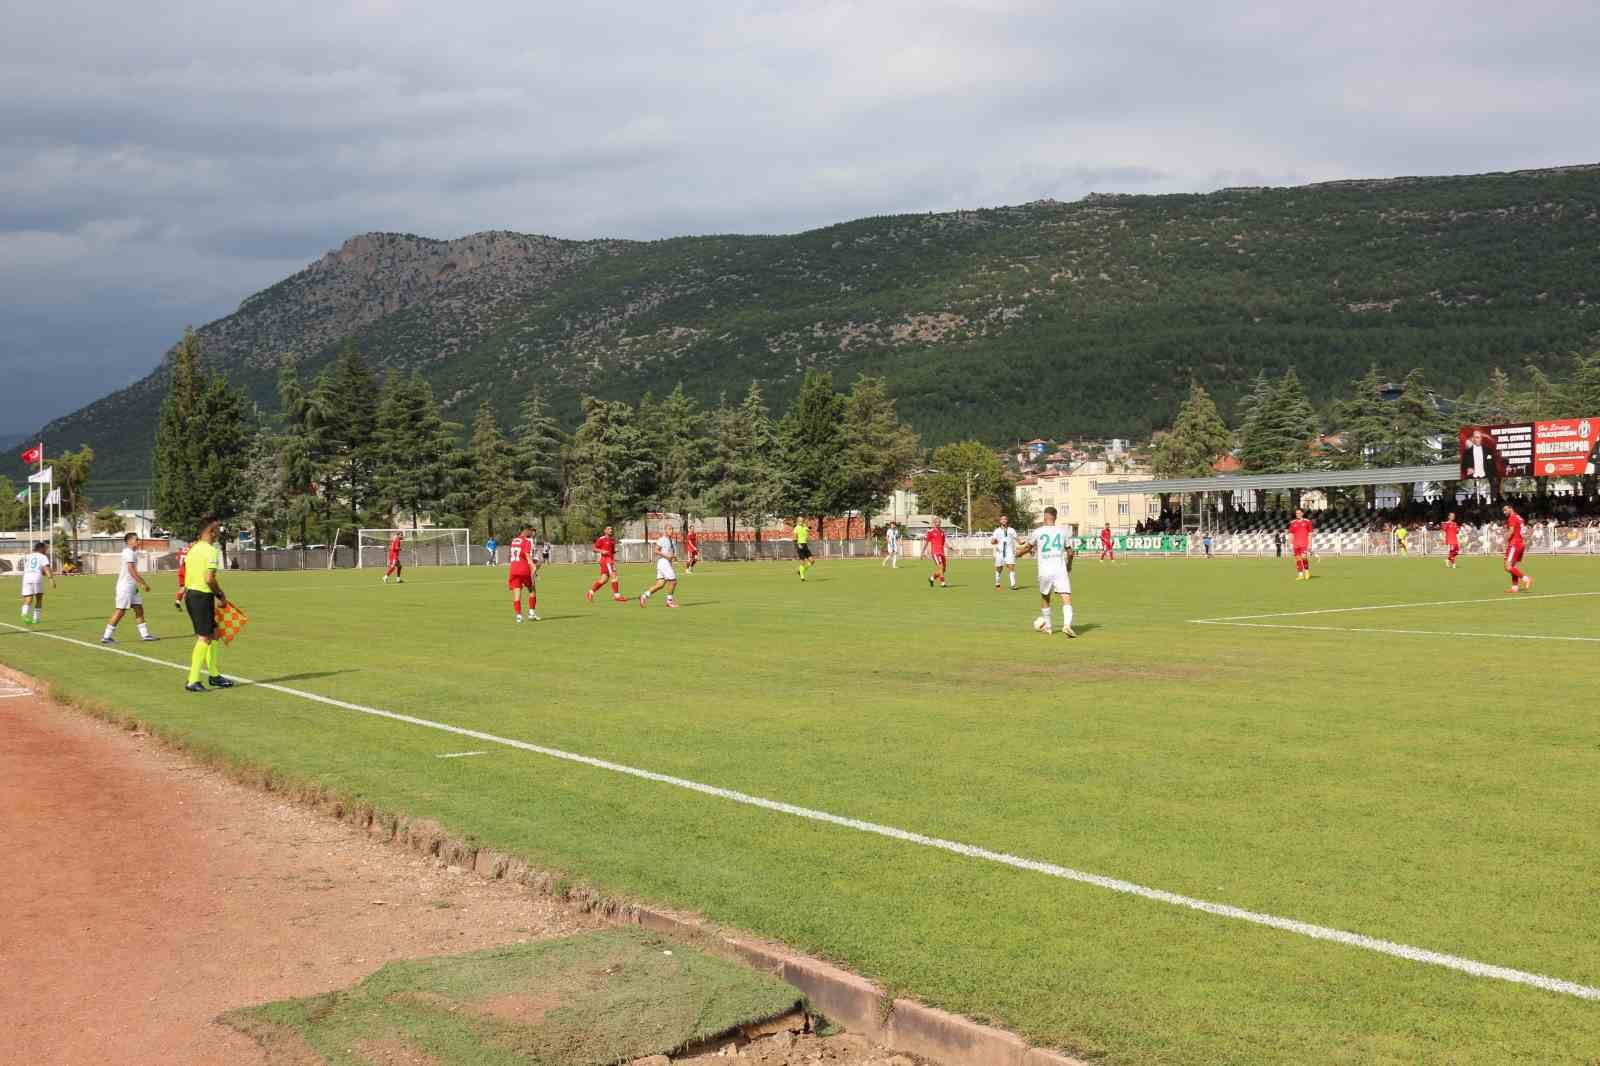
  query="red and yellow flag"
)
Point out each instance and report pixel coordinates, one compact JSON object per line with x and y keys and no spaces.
{"x":230,"y":621}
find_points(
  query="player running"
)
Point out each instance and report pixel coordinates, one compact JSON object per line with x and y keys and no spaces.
{"x":666,"y":576}
{"x":183,"y":557}
{"x":1004,"y":541}
{"x":1515,"y":546}
{"x":891,"y":546}
{"x":1300,"y":540}
{"x":1402,"y":537}
{"x":1051,"y":545}
{"x":935,"y":540}
{"x":1108,"y":553}
{"x":129,"y":581}
{"x":605,"y":546}
{"x":521,"y":575}
{"x":1452,"y":540}
{"x":691,"y":550}
{"x":35,"y":567}
{"x":802,"y":548}
{"x":395,"y":566}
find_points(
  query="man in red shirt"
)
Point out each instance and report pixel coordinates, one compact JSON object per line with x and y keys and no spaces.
{"x":183,"y":554}
{"x":521,"y":575}
{"x":1106,"y":550}
{"x":605,"y":546}
{"x":394,"y":561}
{"x":691,"y":545}
{"x":1514,"y":549}
{"x":1452,"y":539}
{"x":1300,"y":540}
{"x":936,"y":552}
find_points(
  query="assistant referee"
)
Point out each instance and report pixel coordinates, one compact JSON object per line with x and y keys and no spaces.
{"x":201,"y":598}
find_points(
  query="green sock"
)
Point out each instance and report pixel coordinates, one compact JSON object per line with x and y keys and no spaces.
{"x":197,"y":659}
{"x":211,"y":659}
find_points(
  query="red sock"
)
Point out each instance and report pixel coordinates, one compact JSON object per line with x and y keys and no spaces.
{"x":516,"y":605}
{"x":596,"y":586}
{"x":1516,"y":574}
{"x":533,"y":601}
{"x":614,"y":588}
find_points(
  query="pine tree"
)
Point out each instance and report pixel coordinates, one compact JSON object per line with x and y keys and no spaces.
{"x":416,"y":469}
{"x":683,"y":453}
{"x":296,"y":450}
{"x":1197,"y":439}
{"x":348,"y":401}
{"x":538,"y":457}
{"x":174,"y":495}
{"x":499,"y":499}
{"x":1543,"y":400}
{"x":812,"y":449}
{"x":879,"y":448}
{"x":610,"y":464}
{"x":755,"y":467}
{"x":1497,"y":403}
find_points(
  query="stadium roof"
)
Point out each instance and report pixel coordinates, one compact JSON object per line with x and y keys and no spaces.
{"x":1304,"y":479}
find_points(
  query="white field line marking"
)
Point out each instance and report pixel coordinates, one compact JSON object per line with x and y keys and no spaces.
{"x":459,"y":754}
{"x":1397,"y":606}
{"x":1400,"y":632}
{"x":1221,"y":910}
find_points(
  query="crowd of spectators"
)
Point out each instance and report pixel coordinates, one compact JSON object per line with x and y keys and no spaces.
{"x":1560,"y":511}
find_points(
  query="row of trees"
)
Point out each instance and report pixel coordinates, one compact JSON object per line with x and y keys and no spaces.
{"x":348,"y":450}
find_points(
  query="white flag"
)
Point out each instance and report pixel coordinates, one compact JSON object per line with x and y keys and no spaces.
{"x":54,"y":499}
{"x":46,"y":476}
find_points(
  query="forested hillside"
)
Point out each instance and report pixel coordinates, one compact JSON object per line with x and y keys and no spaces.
{"x":1046,"y":319}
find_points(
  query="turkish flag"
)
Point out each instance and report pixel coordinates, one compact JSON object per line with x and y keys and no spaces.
{"x":33,"y":454}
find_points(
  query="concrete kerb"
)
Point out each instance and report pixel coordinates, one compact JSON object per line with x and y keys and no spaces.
{"x":842,"y":997}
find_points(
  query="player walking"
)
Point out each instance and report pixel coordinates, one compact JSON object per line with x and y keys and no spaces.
{"x":1054,"y":551}
{"x":666,"y":576}
{"x":1300,"y":540}
{"x":605,"y":546}
{"x":395,"y":566}
{"x":1402,"y":537}
{"x":691,"y":550}
{"x":183,"y":556}
{"x":935,"y":540}
{"x":129,"y":581}
{"x":521,"y":575}
{"x":491,"y":547}
{"x":1004,"y":541}
{"x":802,"y":547}
{"x":891,"y":547}
{"x":1452,"y":540}
{"x":1107,"y":552}
{"x":1515,"y":546}
{"x":35,"y":568}
{"x":202,"y":595}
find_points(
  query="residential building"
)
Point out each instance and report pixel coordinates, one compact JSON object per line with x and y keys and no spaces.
{"x":1078,"y":503}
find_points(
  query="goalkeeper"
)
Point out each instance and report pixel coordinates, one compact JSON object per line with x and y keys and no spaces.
{"x":201,"y":598}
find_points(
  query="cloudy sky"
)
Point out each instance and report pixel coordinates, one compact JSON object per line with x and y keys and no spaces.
{"x":161,"y":161}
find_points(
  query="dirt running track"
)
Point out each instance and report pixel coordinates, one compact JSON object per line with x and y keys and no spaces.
{"x":143,"y":896}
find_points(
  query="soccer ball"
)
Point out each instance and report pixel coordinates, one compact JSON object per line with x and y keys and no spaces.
{"x":1039,"y":624}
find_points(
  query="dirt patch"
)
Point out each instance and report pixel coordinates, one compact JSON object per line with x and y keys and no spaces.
{"x":393,"y":1053}
{"x":518,"y":1009}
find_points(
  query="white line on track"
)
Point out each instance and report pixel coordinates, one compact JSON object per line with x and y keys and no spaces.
{"x":1221,"y":910}
{"x":1502,"y":598}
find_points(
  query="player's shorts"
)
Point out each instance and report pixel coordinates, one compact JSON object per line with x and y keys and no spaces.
{"x":1455,"y":550}
{"x":802,"y":551}
{"x":1055,"y":579}
{"x":128,"y":596}
{"x":394,"y":560}
{"x":202,"y":608}
{"x":608,"y":568}
{"x":1514,"y":554}
{"x":1301,"y":553}
{"x":520,"y":579}
{"x":1005,"y":559}
{"x":664,"y":571}
{"x":32,"y":585}
{"x":938,"y":561}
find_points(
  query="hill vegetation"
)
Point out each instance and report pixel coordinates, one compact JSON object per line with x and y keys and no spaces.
{"x":1046,"y":319}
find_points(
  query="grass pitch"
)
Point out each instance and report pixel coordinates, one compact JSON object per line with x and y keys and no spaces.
{"x":1421,"y":774}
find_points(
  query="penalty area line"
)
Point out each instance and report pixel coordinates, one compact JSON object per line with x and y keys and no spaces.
{"x":1377,"y":945}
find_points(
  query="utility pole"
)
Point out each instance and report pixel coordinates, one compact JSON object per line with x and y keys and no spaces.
{"x":969,"y":503}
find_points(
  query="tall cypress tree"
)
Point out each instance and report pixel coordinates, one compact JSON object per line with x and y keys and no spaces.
{"x":498,"y":498}
{"x":538,"y":456}
{"x":812,"y":449}
{"x":174,"y":494}
{"x":879,"y":448}
{"x":347,"y":397}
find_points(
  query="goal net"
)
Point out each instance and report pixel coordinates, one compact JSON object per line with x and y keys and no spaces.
{"x":418,"y":547}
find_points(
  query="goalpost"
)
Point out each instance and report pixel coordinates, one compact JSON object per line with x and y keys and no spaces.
{"x":418,"y":547}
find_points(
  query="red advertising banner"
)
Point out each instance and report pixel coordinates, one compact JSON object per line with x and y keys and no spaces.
{"x":1562,"y":448}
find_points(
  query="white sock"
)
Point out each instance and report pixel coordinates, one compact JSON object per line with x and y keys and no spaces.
{"x":1066,"y":616}
{"x":24,"y":610}
{"x":107,"y":634}
{"x":1013,"y":580}
{"x":997,"y":579}
{"x":36,"y":614}
{"x":645,"y":596}
{"x":1045,"y":613}
{"x":669,"y":597}
{"x":144,"y":629}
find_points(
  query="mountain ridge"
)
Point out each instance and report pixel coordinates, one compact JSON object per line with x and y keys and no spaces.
{"x":1041,"y":318}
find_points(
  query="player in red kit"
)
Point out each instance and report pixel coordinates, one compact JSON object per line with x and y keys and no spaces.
{"x":1514,"y":549}
{"x":605,"y":546}
{"x":1106,"y":550}
{"x":936,"y":553}
{"x":1300,"y":540}
{"x":183,"y":554}
{"x":691,"y":550}
{"x":1452,"y":539}
{"x":394,"y":561}
{"x":521,"y":575}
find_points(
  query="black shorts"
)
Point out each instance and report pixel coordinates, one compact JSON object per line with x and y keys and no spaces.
{"x":202,"y":608}
{"x":803,"y":551}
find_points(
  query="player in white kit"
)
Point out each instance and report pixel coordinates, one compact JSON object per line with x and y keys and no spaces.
{"x":35,"y":567}
{"x":891,"y":547}
{"x":1004,"y":542}
{"x":1053,"y":548}
{"x":129,"y":581}
{"x":666,"y":576}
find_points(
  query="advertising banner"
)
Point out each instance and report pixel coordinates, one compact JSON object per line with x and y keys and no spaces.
{"x":1561,"y":448}
{"x":1136,"y":544}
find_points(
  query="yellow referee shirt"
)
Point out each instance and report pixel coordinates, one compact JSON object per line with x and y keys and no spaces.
{"x":198,"y":564}
{"x":801,"y":534}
